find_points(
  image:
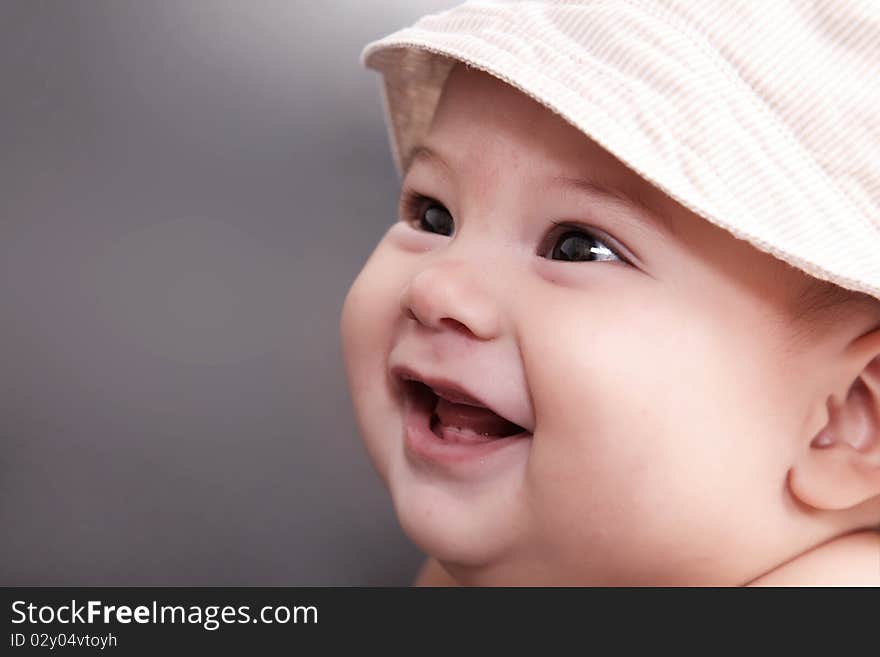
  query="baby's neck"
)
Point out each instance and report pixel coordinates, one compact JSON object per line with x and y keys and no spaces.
{"x":849,"y":560}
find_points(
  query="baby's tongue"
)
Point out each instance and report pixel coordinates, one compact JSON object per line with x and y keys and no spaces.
{"x":479,"y":420}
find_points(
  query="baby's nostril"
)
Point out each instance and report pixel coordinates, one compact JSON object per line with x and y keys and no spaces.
{"x":455,"y":325}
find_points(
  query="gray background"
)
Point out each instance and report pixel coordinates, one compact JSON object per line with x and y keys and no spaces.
{"x":187,"y":189}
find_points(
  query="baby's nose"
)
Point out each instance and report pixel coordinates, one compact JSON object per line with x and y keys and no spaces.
{"x":451,"y":294}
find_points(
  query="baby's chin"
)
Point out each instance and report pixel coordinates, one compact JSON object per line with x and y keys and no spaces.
{"x":473,"y":529}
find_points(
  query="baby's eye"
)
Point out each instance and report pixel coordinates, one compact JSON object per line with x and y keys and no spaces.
{"x":580,"y":245}
{"x":436,"y":219}
{"x":426,"y":214}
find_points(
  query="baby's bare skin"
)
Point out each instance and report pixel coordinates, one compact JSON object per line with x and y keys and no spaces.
{"x":851,"y":560}
{"x":677,"y":432}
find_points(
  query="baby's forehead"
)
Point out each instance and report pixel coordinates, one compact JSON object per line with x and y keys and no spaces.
{"x":480,"y":118}
{"x":484,"y":126}
{"x":482,"y":107}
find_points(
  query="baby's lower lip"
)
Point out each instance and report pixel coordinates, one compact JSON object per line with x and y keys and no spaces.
{"x":423,"y":445}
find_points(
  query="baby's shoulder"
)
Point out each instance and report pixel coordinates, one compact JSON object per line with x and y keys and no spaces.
{"x":850,"y":560}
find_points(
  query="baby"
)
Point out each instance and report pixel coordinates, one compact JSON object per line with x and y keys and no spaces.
{"x":564,"y":376}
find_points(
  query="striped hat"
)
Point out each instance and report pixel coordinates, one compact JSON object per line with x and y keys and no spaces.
{"x":761,"y":117}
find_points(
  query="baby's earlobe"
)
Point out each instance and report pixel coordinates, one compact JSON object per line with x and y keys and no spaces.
{"x":841,"y":466}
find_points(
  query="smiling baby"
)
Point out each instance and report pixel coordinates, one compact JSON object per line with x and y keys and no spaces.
{"x":621,"y":364}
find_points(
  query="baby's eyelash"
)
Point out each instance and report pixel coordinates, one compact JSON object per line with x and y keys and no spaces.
{"x":425,"y":214}
{"x":412,"y":203}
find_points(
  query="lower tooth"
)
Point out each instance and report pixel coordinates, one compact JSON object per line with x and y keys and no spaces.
{"x":463,"y":433}
{"x":467,"y":432}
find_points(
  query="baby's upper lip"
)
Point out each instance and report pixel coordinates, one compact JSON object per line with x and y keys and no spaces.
{"x":450,"y":390}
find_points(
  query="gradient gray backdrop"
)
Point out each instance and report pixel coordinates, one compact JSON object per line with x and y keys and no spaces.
{"x":187,"y":189}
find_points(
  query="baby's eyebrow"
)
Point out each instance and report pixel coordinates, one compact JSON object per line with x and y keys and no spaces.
{"x":631,"y":199}
{"x":425,"y":153}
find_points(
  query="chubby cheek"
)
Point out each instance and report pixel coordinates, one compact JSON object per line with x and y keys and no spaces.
{"x":370,"y":314}
{"x":643,"y":452}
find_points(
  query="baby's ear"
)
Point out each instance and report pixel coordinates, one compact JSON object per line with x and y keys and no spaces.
{"x":839,"y":467}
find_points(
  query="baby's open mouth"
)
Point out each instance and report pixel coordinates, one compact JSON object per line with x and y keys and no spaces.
{"x":459,"y":422}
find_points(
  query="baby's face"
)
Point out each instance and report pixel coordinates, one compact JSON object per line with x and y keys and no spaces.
{"x":642,"y":354}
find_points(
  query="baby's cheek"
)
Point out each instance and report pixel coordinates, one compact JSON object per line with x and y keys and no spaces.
{"x":641,"y":434}
{"x":369,"y":315}
{"x":370,"y":311}
{"x":359,"y":328}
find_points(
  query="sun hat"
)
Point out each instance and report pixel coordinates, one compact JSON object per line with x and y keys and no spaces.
{"x":763,"y":117}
